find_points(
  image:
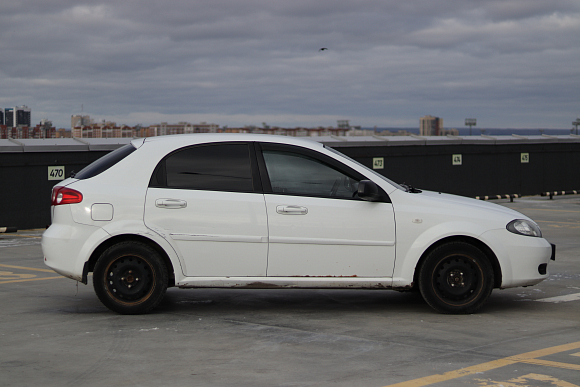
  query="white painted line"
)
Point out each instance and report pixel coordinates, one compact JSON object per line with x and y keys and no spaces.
{"x":566,"y":298}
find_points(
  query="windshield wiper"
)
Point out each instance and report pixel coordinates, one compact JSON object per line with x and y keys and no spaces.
{"x":410,"y":188}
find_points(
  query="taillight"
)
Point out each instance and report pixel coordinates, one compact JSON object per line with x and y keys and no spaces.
{"x":64,"y":195}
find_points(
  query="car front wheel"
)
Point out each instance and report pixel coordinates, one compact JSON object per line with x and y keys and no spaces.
{"x":130,"y":278}
{"x":456,"y":278}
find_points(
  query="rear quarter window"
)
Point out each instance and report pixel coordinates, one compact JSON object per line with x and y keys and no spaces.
{"x":105,"y":162}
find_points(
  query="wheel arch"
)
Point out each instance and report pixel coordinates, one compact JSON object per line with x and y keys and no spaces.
{"x":90,"y":264}
{"x":497,"y":274}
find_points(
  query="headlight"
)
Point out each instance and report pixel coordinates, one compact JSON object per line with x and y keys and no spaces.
{"x":524,"y":227}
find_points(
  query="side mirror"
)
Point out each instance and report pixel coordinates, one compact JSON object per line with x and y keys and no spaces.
{"x":369,"y":191}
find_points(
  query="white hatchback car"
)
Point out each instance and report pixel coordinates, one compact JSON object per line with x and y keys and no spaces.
{"x":259,"y":211}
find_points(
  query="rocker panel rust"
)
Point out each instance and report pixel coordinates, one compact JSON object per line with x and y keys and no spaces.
{"x":292,"y":283}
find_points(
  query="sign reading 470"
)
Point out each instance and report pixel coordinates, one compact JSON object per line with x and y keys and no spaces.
{"x":56,"y":173}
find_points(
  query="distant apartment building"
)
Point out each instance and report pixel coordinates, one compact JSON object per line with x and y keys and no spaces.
{"x":80,"y":120}
{"x":292,"y":132}
{"x":111,"y":130}
{"x":42,"y":130}
{"x":22,"y":116}
{"x":108,"y":130}
{"x":63,"y":133}
{"x":165,"y":129}
{"x":15,"y":116}
{"x":15,"y":123}
{"x":431,"y":126}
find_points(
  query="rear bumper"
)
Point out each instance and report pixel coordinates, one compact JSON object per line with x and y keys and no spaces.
{"x":66,"y":247}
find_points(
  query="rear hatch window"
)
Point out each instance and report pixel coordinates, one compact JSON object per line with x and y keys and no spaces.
{"x":105,"y":162}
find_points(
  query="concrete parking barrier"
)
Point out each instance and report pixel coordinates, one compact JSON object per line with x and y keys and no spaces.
{"x":495,"y":197}
{"x":557,"y":193}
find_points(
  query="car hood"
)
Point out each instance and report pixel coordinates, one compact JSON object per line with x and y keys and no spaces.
{"x":460,"y":205}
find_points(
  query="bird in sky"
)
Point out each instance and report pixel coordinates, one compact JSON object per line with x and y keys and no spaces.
{"x":323,"y":48}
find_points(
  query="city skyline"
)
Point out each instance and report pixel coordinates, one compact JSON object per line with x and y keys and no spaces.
{"x":428,"y":125}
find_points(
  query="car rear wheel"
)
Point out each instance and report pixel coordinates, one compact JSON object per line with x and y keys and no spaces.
{"x":456,"y":278}
{"x":130,"y":278}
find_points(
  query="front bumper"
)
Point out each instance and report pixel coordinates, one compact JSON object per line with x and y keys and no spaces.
{"x":523,"y":259}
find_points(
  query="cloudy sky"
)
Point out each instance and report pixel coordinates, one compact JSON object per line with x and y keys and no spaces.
{"x":508,"y":63}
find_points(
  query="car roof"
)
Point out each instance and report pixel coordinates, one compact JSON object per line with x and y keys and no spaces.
{"x":200,"y":138}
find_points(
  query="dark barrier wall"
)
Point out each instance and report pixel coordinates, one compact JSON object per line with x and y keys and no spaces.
{"x":486,"y":169}
{"x":25,"y":194}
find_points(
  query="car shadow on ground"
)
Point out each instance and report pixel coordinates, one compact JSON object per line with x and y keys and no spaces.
{"x":289,"y":301}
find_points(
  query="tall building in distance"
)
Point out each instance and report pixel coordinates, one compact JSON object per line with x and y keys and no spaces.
{"x":15,"y":117}
{"x":22,"y":116}
{"x":9,"y":117}
{"x":16,"y":123}
{"x":80,"y":120}
{"x":431,"y":126}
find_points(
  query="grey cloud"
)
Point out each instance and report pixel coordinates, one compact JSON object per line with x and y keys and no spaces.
{"x":388,"y":61}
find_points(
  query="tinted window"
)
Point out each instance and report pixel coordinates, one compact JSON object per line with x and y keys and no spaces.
{"x":216,"y":167}
{"x":296,"y":174}
{"x":105,"y":162}
{"x":375,"y":173}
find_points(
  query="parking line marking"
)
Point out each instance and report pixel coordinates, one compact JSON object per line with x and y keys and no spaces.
{"x":525,"y":379}
{"x":22,"y":236}
{"x":544,"y":209}
{"x":565,"y":298}
{"x":551,"y":221}
{"x":8,"y":275}
{"x":557,"y":364}
{"x":427,"y":380}
{"x":26,"y":268}
{"x":528,"y":357}
{"x":32,"y":279}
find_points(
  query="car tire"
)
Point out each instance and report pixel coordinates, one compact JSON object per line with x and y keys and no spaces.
{"x":130,"y":278}
{"x":456,"y":278}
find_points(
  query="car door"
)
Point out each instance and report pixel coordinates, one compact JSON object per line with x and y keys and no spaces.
{"x":318,"y":227}
{"x":207,"y":201}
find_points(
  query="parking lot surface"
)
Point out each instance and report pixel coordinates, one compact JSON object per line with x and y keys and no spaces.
{"x":54,"y":332}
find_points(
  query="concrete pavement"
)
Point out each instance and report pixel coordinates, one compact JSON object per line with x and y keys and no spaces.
{"x":55,"y":334}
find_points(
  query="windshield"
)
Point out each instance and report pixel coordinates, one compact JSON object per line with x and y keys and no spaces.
{"x":367,"y":169}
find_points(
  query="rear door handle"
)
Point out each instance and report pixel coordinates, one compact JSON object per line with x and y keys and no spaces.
{"x":291,"y":210}
{"x":170,"y":203}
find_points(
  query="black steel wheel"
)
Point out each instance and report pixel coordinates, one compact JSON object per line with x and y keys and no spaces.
{"x":456,"y":278}
{"x":130,"y":278}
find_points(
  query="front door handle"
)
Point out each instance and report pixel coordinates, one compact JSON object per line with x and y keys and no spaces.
{"x":170,"y":203}
{"x":291,"y":210}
